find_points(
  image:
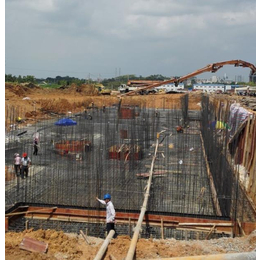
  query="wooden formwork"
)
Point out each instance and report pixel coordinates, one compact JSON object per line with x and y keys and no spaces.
{"x":244,"y":153}
{"x":164,"y":221}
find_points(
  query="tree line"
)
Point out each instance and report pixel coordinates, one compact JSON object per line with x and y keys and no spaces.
{"x":31,"y":79}
{"x":112,"y":83}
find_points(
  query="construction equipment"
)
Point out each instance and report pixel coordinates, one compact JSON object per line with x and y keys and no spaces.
{"x":138,"y":84}
{"x":105,"y":92}
{"x":144,"y":83}
{"x":102,"y":90}
{"x":123,"y":88}
{"x":209,"y":68}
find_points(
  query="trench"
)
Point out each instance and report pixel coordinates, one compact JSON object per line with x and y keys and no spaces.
{"x":112,"y":153}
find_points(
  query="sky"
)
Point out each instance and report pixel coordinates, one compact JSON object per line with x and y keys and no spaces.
{"x":107,"y":38}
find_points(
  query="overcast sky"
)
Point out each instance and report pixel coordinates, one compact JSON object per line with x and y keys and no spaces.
{"x":107,"y":38}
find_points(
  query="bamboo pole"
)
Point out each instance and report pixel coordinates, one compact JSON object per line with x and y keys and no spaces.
{"x":129,"y":227}
{"x":206,"y":224}
{"x":230,"y":256}
{"x":131,"y":251}
{"x":31,"y":212}
{"x":162,"y":231}
{"x":85,"y":237}
{"x":26,"y":225}
{"x":240,"y":226}
{"x":104,"y":246}
{"x":245,"y":152}
{"x":212,"y":186}
{"x":211,"y":230}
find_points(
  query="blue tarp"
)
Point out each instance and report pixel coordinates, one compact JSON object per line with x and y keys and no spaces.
{"x":65,"y":122}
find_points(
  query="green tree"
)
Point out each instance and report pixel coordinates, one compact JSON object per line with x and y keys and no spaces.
{"x":252,"y":84}
{"x":29,"y":79}
{"x":19,"y":79}
{"x":62,"y":82}
{"x":9,"y":78}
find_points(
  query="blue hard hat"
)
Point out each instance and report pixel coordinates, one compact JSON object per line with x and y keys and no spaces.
{"x":107,"y":196}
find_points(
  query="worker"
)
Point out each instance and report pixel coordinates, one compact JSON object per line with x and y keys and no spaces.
{"x":17,"y":164}
{"x":19,"y":119}
{"x":110,"y":213}
{"x":25,"y":163}
{"x":179,"y":129}
{"x":157,"y":114}
{"x":35,"y":147}
{"x":87,"y":115}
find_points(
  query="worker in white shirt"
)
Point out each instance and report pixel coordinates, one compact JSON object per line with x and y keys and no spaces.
{"x":25,"y":163}
{"x":110,"y":213}
{"x":17,"y":162}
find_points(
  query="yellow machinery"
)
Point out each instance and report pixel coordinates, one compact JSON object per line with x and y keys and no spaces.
{"x":102,"y":90}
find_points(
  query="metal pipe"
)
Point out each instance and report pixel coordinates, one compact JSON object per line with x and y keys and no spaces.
{"x":131,"y":250}
{"x":104,"y":246}
{"x":236,"y":256}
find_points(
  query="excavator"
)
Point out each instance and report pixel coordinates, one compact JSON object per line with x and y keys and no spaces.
{"x":209,"y":68}
{"x":102,"y":90}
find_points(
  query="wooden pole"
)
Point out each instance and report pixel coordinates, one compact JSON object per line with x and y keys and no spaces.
{"x":129,"y":227}
{"x":162,"y":233}
{"x":240,"y":226}
{"x":211,"y":230}
{"x":85,"y":238}
{"x":26,"y":224}
{"x":212,"y":186}
{"x":27,"y":212}
{"x":104,"y":246}
{"x":230,"y":256}
{"x":131,"y":251}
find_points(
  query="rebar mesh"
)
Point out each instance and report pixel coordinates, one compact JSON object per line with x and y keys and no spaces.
{"x":111,"y":152}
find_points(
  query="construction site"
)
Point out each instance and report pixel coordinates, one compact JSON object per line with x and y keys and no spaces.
{"x":190,"y":186}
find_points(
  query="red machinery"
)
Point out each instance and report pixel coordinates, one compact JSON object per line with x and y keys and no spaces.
{"x":209,"y":68}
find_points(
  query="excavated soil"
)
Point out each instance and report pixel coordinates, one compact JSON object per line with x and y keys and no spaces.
{"x":34,"y":103}
{"x":73,"y":246}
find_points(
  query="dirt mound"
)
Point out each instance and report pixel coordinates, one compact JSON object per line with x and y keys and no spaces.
{"x":18,"y":90}
{"x":30,"y":85}
{"x":55,"y":105}
{"x":33,"y":103}
{"x":84,"y":89}
{"x":21,"y":89}
{"x":58,"y":242}
{"x":72,"y":246}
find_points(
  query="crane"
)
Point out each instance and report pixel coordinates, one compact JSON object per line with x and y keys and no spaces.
{"x":213,"y":67}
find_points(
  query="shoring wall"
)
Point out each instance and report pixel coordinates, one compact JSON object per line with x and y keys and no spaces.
{"x":229,"y":136}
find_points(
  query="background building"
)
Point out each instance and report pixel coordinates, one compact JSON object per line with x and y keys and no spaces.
{"x":214,"y":87}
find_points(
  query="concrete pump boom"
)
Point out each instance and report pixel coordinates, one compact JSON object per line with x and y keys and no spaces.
{"x":209,"y":68}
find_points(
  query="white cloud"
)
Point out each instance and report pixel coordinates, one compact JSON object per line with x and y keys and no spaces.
{"x":36,"y":5}
{"x":138,"y":35}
